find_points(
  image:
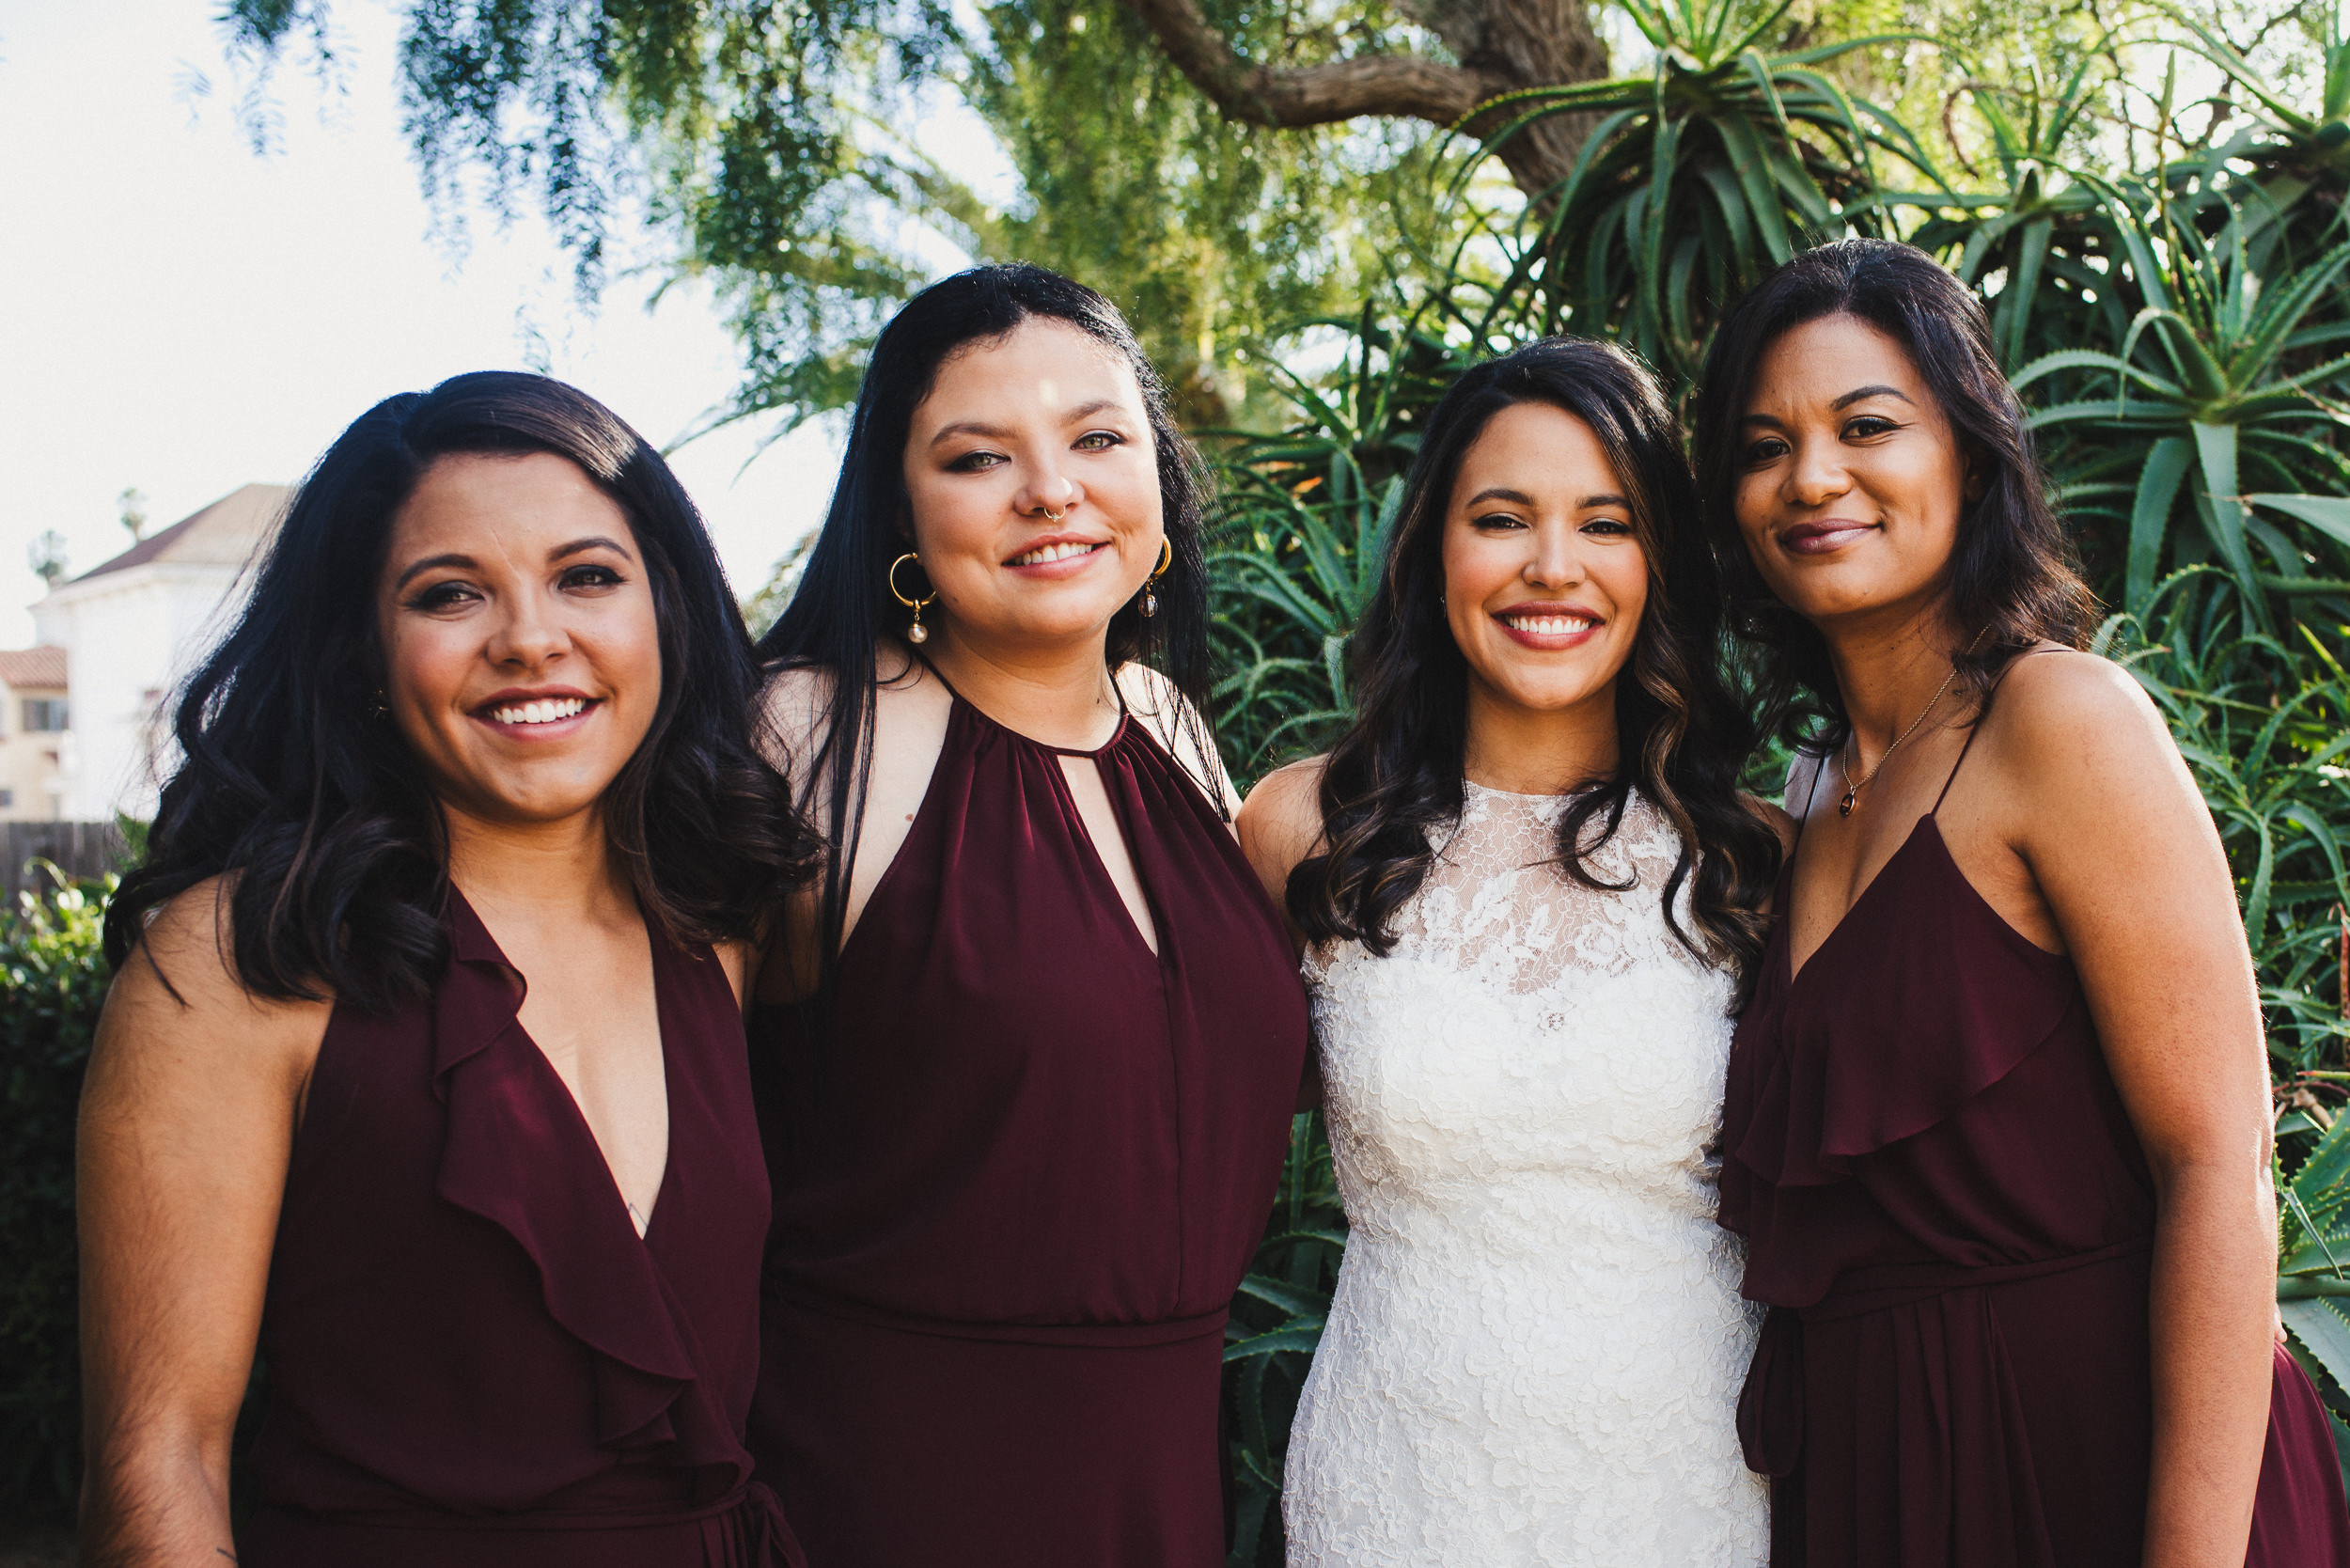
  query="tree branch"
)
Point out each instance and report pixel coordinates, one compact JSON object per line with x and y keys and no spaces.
{"x":1407,"y":85}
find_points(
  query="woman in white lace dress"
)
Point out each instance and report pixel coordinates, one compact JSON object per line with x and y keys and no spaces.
{"x":1527,"y":890}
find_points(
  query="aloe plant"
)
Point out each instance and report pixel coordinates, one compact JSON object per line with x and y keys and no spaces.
{"x":2205,"y":378}
{"x":1276,"y":1328}
{"x":1699,"y":177}
{"x":2042,"y":230}
{"x":2313,"y":146}
{"x":1300,"y":534}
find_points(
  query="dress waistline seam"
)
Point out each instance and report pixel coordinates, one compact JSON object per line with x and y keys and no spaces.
{"x":1862,"y":1290}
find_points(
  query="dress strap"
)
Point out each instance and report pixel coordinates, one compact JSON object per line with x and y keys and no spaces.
{"x":1810,"y":794}
{"x":1976,"y":728}
{"x":924,"y":659}
{"x":1124,"y":717}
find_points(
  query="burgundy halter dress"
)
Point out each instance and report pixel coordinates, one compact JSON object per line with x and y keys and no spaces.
{"x":473,"y":1359}
{"x":1950,"y":1217}
{"x":1020,"y":1172}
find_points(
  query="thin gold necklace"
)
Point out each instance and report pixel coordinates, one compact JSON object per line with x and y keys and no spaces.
{"x":1851,"y":741}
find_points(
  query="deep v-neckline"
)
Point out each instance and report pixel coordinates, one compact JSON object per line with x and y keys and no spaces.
{"x":1796,"y":971}
{"x":545,"y":1064}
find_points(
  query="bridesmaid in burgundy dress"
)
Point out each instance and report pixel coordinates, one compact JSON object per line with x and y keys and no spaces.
{"x":424,"y":1064}
{"x":1996,"y":1128}
{"x":1034,"y":1067}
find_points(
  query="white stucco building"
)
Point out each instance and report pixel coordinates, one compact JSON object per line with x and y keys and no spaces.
{"x":131,"y":630}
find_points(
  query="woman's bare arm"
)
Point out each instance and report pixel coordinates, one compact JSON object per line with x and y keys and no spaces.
{"x":187,"y":1121}
{"x":2123,"y":851}
{"x":1279,"y":824}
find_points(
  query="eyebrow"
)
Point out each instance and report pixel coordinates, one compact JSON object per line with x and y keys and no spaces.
{"x":1859,"y":392}
{"x":1519,"y":497}
{"x":1856,"y":395}
{"x":1500,"y":493}
{"x":464,"y":562}
{"x":979,"y":427}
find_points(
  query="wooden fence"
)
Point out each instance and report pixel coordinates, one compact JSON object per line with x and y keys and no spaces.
{"x":78,"y":849}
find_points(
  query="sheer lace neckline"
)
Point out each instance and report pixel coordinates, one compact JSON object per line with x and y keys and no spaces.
{"x":1496,"y":903}
{"x":1470,"y":787}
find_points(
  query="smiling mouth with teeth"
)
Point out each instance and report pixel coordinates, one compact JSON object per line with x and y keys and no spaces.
{"x":549,"y":710}
{"x":1045,"y":555}
{"x":1548,"y":625}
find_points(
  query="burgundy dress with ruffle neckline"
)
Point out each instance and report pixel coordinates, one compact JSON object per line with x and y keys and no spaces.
{"x":473,"y":1359}
{"x":1951,"y":1219}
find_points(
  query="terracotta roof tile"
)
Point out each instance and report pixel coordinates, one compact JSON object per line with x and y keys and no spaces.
{"x":43,"y":666}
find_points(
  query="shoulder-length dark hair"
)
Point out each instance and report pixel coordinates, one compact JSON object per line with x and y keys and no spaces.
{"x":1681,"y":738}
{"x":295,"y":783}
{"x":842,"y":605}
{"x":2013,"y":572}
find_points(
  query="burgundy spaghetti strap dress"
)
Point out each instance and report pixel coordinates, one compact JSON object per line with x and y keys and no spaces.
{"x":473,"y":1359}
{"x":1949,"y":1215}
{"x":1020,"y":1174}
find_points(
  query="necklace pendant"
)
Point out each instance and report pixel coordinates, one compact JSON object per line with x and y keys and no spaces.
{"x":1843,"y":806}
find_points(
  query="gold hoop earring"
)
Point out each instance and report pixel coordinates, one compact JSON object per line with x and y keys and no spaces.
{"x":1166,"y":560}
{"x":917,"y":632}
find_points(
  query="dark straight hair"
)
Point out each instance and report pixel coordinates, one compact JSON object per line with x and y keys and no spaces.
{"x":1392,"y":788}
{"x":297,"y":785}
{"x":2013,"y":573}
{"x":842,"y":605}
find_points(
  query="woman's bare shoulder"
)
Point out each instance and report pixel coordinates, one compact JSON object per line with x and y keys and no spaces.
{"x":1160,"y":704}
{"x":2080,"y":767}
{"x":2063,"y":710}
{"x":179,"y":995}
{"x":796,"y":707}
{"x":1282,"y":815}
{"x":1151,"y":697}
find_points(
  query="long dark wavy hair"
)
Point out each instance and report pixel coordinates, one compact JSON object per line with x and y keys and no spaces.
{"x":1392,"y":787}
{"x":2013,"y":573}
{"x":298,"y":785}
{"x":842,"y":606}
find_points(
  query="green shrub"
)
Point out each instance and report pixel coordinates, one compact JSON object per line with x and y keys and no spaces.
{"x":53,"y":979}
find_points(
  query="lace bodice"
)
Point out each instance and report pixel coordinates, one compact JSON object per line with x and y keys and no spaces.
{"x":1535,"y":1349}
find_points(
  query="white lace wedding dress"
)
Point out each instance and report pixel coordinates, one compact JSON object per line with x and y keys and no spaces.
{"x":1537,"y":1342}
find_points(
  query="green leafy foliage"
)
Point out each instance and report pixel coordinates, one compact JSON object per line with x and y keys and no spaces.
{"x":53,"y":979}
{"x":772,"y":148}
{"x":2264,"y":727}
{"x":1699,"y":177}
{"x":1299,"y":536}
{"x":1277,"y":1323}
{"x":2203,"y":372}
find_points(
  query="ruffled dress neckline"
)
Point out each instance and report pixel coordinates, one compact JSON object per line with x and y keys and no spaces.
{"x":506,"y":1103}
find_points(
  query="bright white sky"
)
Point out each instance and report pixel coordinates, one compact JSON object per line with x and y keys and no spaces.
{"x":178,"y":315}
